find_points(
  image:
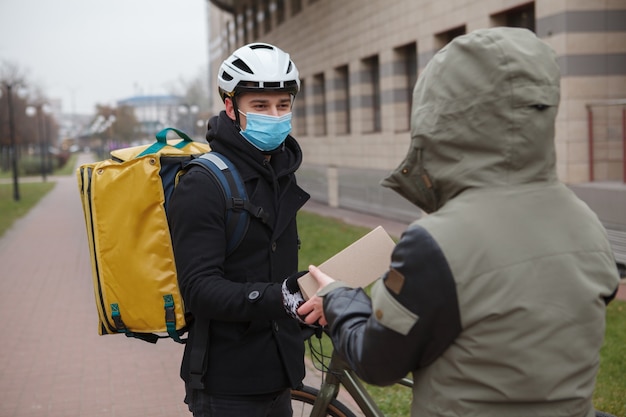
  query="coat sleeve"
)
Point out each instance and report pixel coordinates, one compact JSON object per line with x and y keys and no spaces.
{"x":412,"y":318}
{"x":196,"y":217}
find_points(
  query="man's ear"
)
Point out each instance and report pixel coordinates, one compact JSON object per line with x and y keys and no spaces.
{"x":230,"y":108}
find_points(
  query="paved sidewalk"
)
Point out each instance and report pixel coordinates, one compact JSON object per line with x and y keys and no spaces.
{"x":52,"y":360}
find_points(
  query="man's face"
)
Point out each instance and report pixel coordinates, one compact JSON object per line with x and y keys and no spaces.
{"x":271,"y":104}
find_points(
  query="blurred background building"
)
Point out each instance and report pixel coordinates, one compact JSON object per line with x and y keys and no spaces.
{"x":359,"y":60}
{"x":153,"y":112}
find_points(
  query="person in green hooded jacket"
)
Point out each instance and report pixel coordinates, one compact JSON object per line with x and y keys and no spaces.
{"x":496,"y":300}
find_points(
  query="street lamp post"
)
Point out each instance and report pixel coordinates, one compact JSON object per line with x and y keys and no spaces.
{"x":109,"y":127}
{"x":96,"y":129}
{"x":45,"y":110}
{"x":13,"y":148}
{"x":200,"y":124}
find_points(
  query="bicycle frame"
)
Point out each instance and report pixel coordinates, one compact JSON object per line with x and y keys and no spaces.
{"x":340,"y":374}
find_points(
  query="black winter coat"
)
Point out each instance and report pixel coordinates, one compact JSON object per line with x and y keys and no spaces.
{"x":254,"y":347}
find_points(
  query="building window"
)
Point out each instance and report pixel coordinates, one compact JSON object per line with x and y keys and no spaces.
{"x":299,"y":111}
{"x":254,"y":18}
{"x":446,"y":37}
{"x":246,"y":25}
{"x":342,"y":100}
{"x":370,"y":85}
{"x":518,"y":17}
{"x":319,"y":105}
{"x":296,"y":7}
{"x":239,"y":29}
{"x":242,"y":31}
{"x":405,"y":77}
{"x":280,"y":11}
{"x":267,"y":17}
{"x":229,"y":35}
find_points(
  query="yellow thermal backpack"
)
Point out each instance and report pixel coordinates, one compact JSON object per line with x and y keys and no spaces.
{"x":124,"y":201}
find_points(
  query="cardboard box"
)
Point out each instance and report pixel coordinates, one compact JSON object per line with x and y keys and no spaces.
{"x":358,"y":265}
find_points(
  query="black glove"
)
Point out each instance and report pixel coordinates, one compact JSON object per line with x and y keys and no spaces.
{"x":292,"y":297}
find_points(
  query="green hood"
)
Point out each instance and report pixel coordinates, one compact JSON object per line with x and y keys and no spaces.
{"x":483,"y":116}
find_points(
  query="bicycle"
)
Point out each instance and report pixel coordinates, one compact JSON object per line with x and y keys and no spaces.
{"x":313,"y":402}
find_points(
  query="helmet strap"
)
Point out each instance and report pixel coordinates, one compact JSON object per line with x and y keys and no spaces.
{"x":236,"y":110}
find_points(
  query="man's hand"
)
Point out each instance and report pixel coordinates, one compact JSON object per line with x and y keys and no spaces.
{"x":313,"y":309}
{"x":292,"y":297}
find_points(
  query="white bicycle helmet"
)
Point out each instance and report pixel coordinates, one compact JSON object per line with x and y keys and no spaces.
{"x":257,"y":67}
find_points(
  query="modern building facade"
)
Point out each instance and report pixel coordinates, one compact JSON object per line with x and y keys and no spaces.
{"x":359,"y":60}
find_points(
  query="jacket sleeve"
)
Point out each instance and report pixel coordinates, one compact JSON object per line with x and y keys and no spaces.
{"x":412,"y":318}
{"x":196,"y":217}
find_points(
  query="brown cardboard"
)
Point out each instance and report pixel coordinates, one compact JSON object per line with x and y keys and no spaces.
{"x":358,"y":265}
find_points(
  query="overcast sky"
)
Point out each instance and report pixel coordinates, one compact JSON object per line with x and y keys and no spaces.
{"x":86,"y":52}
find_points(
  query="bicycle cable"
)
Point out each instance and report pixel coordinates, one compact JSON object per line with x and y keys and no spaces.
{"x":318,"y":358}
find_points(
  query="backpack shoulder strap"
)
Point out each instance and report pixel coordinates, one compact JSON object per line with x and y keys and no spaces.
{"x":237,"y":204}
{"x":237,"y":219}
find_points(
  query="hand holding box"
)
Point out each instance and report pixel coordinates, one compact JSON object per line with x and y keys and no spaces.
{"x":358,"y":265}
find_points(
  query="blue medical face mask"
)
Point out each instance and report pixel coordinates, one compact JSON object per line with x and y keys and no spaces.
{"x":266,"y":132}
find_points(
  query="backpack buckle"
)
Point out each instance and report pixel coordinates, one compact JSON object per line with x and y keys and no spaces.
{"x":238,"y":203}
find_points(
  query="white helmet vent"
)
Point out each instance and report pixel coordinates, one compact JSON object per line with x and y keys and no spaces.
{"x":242,"y":66}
